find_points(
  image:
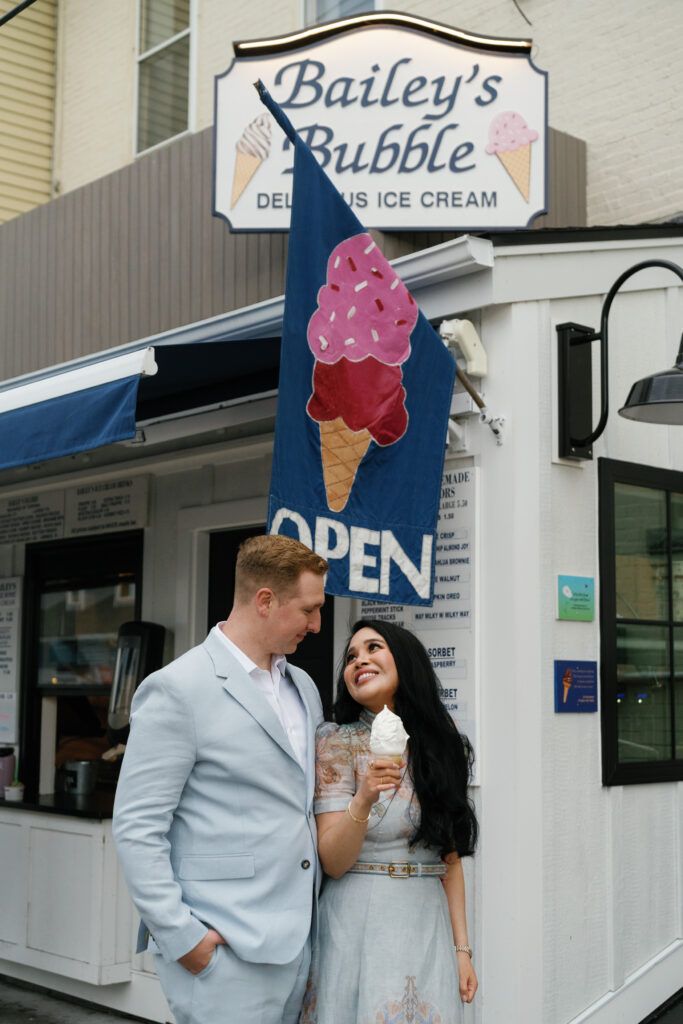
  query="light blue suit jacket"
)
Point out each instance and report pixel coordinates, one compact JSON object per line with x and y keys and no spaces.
{"x":213,"y":817}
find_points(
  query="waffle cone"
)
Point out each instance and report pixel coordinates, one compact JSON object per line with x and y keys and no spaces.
{"x":342,"y":452}
{"x":517,"y":162}
{"x":396,"y":758}
{"x":246,"y":167}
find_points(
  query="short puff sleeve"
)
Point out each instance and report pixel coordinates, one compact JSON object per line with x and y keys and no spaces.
{"x":334,"y":771}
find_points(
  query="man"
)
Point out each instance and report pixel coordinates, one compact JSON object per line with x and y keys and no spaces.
{"x":213,"y":816}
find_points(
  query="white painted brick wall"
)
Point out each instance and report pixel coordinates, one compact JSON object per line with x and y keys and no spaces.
{"x":95,"y":89}
{"x":615,"y":80}
{"x":614,"y":75}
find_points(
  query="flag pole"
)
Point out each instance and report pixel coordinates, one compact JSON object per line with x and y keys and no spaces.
{"x":494,"y":422}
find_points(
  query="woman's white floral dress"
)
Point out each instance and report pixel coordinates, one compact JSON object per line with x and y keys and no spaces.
{"x":385,"y":945}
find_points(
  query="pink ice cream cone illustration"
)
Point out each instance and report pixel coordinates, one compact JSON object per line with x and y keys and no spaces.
{"x":510,"y":140}
{"x":566,"y":682}
{"x":253,"y":147}
{"x":359,"y":335}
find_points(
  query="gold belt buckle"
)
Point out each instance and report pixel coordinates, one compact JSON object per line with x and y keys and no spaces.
{"x":399,"y":869}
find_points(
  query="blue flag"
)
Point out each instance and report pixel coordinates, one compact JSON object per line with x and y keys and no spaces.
{"x":363,"y":402}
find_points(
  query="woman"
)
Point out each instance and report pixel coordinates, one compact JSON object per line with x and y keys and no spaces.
{"x":392,"y":942}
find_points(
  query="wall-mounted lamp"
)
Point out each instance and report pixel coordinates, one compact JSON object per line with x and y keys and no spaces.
{"x":655,"y":399}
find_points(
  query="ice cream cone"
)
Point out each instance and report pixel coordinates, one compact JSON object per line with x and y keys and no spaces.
{"x":342,"y":451}
{"x":517,"y":162}
{"x":396,"y":758}
{"x":246,"y":167}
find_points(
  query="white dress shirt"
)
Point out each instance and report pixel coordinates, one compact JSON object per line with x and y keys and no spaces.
{"x":279,"y":691}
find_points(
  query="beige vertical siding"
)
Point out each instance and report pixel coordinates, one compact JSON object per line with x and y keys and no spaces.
{"x":27,"y":89}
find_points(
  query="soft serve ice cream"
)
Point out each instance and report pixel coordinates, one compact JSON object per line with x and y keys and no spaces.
{"x":388,"y":738}
{"x":253,"y":147}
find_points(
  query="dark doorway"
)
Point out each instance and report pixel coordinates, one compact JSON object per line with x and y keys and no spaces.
{"x":314,"y":655}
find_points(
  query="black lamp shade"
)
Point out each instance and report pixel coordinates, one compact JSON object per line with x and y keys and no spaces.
{"x":657,"y":399}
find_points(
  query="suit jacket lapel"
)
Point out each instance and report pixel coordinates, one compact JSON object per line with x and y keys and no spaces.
{"x":236,"y":681}
{"x":295,"y":675}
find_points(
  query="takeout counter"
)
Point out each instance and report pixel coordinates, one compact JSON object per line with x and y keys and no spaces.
{"x":65,"y":906}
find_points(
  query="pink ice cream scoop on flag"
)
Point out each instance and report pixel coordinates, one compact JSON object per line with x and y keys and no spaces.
{"x":359,"y":335}
{"x":510,"y":139}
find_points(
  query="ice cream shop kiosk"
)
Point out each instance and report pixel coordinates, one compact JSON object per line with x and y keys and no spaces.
{"x":555,"y":619}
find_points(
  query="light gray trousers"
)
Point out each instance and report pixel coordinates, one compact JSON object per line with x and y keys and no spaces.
{"x":232,"y":991}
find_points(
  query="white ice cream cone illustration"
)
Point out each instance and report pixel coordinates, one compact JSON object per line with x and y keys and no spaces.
{"x":253,"y":147}
{"x":510,"y":140}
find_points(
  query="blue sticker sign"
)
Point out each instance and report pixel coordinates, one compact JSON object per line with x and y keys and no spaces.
{"x":576,"y":686}
{"x":363,"y":403}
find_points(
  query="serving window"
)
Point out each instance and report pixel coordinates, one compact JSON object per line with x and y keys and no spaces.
{"x":78,"y":594}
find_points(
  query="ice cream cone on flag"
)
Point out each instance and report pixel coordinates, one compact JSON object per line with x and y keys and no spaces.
{"x":342,"y":452}
{"x":246,"y":167}
{"x":517,"y":162}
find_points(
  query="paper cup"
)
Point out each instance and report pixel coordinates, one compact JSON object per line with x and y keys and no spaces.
{"x":14,"y":794}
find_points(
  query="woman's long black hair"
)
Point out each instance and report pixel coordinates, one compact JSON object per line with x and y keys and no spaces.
{"x":438,"y":759}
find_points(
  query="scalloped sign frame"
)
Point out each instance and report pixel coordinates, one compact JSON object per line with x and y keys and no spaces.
{"x":420,"y":126}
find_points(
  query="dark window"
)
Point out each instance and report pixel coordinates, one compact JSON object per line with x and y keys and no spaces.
{"x":641,"y":617}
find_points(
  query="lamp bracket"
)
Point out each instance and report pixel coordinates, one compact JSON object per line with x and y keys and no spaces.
{"x":574,"y":372}
{"x":575,"y":390}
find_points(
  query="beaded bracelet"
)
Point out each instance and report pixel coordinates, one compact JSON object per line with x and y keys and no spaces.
{"x":464,"y":949}
{"x":359,"y":821}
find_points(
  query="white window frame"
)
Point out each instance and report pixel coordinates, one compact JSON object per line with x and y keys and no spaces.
{"x":190,"y":31}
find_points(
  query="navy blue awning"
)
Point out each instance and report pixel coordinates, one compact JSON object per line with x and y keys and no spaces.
{"x":71,"y":409}
{"x":102,"y":399}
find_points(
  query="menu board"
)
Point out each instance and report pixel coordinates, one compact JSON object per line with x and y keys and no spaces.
{"x":10,"y":611}
{"x":84,"y":509}
{"x":447,"y":626}
{"x":106,"y":506}
{"x":32,"y":517}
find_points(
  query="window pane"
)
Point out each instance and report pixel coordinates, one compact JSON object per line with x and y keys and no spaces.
{"x":162,"y":108}
{"x":677,"y":554}
{"x":328,"y":10}
{"x":78,"y":633}
{"x":641,"y":553}
{"x":678,"y":691}
{"x":643,"y":703}
{"x":161,"y":20}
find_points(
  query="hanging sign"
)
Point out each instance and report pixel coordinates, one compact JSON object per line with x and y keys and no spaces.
{"x":420,"y":126}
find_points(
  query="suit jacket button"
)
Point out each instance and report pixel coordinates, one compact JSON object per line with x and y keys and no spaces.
{"x":305,"y":864}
